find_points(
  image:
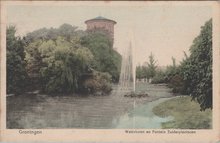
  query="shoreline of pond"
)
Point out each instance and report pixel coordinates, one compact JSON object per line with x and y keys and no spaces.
{"x":43,"y":111}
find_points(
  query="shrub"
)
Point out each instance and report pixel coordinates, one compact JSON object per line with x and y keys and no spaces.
{"x":177,"y":84}
{"x":159,"y":77}
{"x":97,"y":83}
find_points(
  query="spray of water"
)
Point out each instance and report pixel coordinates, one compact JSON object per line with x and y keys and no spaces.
{"x":133,"y":61}
{"x":127,"y":79}
{"x":128,"y":74}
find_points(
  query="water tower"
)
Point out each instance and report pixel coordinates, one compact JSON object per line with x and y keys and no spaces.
{"x":103,"y":24}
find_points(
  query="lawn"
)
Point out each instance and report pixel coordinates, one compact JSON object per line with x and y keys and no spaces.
{"x":186,"y":113}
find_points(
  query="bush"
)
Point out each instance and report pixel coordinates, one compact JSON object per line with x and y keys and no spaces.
{"x":159,"y":77}
{"x":177,"y":84}
{"x":97,"y":83}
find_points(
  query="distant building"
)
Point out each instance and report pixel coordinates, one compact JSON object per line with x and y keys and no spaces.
{"x":103,"y":24}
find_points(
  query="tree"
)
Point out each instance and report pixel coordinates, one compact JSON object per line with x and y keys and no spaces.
{"x":139,"y":72}
{"x":106,"y":59}
{"x":159,"y":77}
{"x":66,"y":57}
{"x":63,"y":65}
{"x":148,"y":70}
{"x":151,"y":66}
{"x":67,"y":31}
{"x":34,"y":64}
{"x":42,"y":50}
{"x":65,"y":70}
{"x":174,"y":62}
{"x":171,"y":71}
{"x":16,"y":73}
{"x":198,"y":67}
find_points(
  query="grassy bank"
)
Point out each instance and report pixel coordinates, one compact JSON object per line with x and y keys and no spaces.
{"x":186,"y":113}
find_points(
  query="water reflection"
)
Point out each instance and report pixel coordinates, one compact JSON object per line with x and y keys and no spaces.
{"x":143,"y":117}
{"x":91,"y":112}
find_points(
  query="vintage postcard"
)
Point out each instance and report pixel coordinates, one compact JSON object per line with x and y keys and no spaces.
{"x":110,"y":71}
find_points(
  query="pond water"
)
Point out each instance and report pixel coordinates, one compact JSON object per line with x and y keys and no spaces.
{"x":143,"y":117}
{"x":89,"y":112}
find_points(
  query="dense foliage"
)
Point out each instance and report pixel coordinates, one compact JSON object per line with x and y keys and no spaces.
{"x":63,"y":66}
{"x":16,"y":73}
{"x":193,"y":76}
{"x":96,"y":83}
{"x":59,"y":60}
{"x":197,"y":69}
{"x":106,"y":59}
{"x":159,"y":77}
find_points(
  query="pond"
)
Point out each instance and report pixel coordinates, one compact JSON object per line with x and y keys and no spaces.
{"x":87,"y":112}
{"x":142,"y":117}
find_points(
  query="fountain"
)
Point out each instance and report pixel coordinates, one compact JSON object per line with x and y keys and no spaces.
{"x":127,"y":79}
{"x":127,"y":76}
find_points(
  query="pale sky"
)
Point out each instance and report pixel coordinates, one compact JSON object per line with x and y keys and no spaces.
{"x":165,"y":30}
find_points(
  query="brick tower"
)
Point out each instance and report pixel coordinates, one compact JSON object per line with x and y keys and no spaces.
{"x":103,"y":24}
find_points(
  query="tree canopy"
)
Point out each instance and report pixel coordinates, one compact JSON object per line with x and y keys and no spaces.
{"x":197,"y":69}
{"x":16,"y":73}
{"x":106,"y":59}
{"x":61,"y":60}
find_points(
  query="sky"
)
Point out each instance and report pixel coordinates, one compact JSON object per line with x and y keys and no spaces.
{"x":165,"y":30}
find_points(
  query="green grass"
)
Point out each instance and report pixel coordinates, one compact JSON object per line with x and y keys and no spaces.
{"x":186,"y":113}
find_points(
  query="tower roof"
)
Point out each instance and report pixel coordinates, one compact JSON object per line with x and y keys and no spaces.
{"x":100,"y":18}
